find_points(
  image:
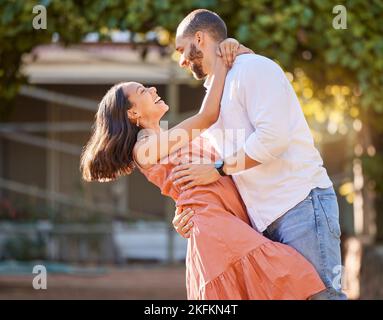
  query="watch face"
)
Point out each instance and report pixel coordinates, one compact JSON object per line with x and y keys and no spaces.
{"x":218,"y":164}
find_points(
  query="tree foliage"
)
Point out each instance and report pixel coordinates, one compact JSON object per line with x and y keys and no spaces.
{"x":295,"y":33}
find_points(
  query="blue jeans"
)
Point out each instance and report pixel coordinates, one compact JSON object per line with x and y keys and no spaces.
{"x":312,"y":228}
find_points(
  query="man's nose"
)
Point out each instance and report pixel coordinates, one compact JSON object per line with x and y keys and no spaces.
{"x":183,"y":62}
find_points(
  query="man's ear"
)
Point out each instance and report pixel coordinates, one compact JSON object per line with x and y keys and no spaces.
{"x":200,"y":38}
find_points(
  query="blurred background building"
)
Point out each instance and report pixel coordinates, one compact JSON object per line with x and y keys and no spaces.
{"x":42,"y":143}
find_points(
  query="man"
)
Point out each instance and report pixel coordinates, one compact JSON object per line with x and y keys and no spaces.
{"x":273,"y":162}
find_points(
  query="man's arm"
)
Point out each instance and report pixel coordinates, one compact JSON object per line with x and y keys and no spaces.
{"x":237,"y":162}
{"x":263,"y":92}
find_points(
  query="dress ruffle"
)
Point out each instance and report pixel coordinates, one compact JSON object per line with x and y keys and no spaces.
{"x":269,"y":272}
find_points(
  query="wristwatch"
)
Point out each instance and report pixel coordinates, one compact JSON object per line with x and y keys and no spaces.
{"x":219,"y":166}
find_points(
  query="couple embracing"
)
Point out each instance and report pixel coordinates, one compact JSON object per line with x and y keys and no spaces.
{"x":252,"y":195}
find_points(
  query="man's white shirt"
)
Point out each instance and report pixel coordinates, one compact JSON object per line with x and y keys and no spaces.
{"x":261,"y":113}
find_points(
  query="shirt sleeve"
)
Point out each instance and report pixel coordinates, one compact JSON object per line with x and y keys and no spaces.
{"x":263,"y":92}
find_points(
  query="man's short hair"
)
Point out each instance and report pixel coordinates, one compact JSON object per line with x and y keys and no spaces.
{"x":203,"y":20}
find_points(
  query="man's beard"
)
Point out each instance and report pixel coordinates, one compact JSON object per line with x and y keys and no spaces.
{"x":195,"y":58}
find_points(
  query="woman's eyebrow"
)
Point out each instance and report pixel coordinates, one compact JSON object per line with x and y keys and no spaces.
{"x":139,"y":87}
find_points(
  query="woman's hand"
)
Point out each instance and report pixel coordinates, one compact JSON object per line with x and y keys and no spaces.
{"x":229,"y":48}
{"x":242,"y":50}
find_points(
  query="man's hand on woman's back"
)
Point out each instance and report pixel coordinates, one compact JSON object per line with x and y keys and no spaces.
{"x":182,"y":222}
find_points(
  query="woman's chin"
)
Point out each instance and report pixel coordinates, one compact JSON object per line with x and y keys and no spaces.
{"x":165,"y":109}
{"x":162,"y":106}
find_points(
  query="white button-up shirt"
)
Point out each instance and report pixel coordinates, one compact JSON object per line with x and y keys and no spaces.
{"x":260,"y":112}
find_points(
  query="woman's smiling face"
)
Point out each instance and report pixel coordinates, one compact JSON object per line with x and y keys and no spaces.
{"x":147,"y":105}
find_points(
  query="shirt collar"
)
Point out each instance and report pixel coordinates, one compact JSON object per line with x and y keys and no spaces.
{"x":209,"y":78}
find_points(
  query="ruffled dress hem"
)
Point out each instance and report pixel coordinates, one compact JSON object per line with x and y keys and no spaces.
{"x":265,"y":273}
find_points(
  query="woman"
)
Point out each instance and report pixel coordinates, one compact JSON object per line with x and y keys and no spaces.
{"x":226,"y":258}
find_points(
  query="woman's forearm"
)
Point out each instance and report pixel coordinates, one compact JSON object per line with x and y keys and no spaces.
{"x":166,"y":142}
{"x":210,"y":107}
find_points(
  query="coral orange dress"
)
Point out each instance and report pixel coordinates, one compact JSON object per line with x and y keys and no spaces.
{"x":226,"y":258}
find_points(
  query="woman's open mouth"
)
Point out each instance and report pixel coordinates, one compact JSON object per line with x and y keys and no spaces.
{"x":158,"y":100}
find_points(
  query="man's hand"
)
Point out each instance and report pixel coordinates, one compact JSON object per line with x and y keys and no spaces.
{"x":190,"y":175}
{"x":182,"y":223}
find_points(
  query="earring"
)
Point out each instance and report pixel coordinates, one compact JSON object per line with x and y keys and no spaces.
{"x":138,"y":122}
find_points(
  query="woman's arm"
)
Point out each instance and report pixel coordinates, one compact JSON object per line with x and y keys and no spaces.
{"x":148,"y":151}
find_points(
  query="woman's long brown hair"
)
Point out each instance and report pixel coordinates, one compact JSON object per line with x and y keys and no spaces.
{"x":109,"y":152}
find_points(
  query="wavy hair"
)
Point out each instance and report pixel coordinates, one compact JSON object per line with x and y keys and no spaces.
{"x":109,"y":151}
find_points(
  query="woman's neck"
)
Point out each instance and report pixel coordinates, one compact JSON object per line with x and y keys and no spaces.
{"x":154,"y":127}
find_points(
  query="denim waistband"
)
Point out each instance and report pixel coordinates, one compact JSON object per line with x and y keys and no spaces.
{"x":321,"y":191}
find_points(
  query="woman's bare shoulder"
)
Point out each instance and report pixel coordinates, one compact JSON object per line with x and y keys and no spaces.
{"x":139,"y":151}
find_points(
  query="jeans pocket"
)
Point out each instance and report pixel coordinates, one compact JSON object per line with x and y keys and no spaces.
{"x":330,"y":208}
{"x":294,"y":223}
